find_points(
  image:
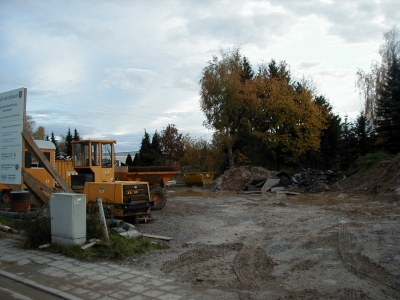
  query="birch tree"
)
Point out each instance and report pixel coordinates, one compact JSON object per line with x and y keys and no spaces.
{"x":370,"y":82}
{"x":223,"y":95}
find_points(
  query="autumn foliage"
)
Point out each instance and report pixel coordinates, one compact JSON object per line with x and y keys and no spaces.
{"x":268,"y":109}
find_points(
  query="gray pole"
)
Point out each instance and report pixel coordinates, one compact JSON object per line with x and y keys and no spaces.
{"x":103,"y":220}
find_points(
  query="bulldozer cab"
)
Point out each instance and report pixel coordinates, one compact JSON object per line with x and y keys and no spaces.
{"x":93,"y":160}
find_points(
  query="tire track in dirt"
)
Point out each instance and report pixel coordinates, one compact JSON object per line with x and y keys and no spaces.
{"x":242,"y":267}
{"x":199,"y":255}
{"x":247,"y":269}
{"x":362,"y":266}
{"x":253,"y":269}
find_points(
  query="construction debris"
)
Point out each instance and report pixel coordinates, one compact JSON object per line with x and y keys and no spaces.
{"x":255,"y":179}
{"x":165,"y":238}
{"x":7,"y":229}
{"x":125,"y":229}
{"x":90,"y":243}
{"x":133,"y":234}
{"x":44,"y":246}
{"x":269,"y":184}
{"x":315,"y":181}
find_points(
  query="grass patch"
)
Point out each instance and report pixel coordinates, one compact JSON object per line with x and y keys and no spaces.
{"x":119,"y":248}
{"x":9,"y":222}
{"x":367,"y":161}
{"x":36,"y":230}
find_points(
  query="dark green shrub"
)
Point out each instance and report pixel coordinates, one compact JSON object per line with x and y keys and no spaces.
{"x":36,"y":230}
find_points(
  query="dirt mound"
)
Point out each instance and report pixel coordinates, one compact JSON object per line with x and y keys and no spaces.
{"x":236,"y":179}
{"x":382,"y":178}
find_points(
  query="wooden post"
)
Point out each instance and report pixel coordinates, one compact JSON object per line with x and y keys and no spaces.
{"x":37,"y":187}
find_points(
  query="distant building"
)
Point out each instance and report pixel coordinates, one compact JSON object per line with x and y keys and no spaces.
{"x":120,"y":157}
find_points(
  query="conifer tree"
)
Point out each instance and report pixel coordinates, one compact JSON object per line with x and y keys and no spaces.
{"x":54,"y":141}
{"x":388,"y":110}
{"x":156,"y":149}
{"x":68,"y":144}
{"x":76,"y":135}
{"x":363,"y":131}
{"x":247,"y":70}
{"x":128,"y":160}
{"x":145,"y":151}
{"x":348,"y":145}
{"x":136,"y":160}
{"x":327,"y":156}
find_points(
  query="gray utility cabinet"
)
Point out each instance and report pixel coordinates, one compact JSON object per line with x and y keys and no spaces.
{"x":68,"y":218}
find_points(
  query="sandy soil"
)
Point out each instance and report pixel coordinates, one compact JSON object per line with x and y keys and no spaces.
{"x":330,"y":245}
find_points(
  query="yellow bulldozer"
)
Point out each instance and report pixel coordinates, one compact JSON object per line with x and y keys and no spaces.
{"x":124,"y":190}
{"x":93,"y":161}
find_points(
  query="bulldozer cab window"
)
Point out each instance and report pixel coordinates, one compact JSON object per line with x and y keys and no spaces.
{"x":81,"y":154}
{"x":95,"y":154}
{"x":106,"y":150}
{"x":32,"y":162}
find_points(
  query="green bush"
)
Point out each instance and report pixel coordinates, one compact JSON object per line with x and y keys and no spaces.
{"x":367,"y":161}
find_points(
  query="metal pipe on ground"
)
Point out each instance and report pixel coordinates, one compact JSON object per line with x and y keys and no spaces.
{"x":12,"y":214}
{"x":115,"y":223}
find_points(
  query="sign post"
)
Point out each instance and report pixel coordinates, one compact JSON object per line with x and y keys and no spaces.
{"x":12,"y":120}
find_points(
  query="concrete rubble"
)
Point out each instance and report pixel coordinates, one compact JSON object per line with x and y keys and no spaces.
{"x":125,"y":229}
{"x":258,"y":179}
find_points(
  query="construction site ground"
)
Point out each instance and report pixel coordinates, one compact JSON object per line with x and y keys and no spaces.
{"x":313,"y":246}
{"x":338,"y":244}
{"x":228,"y":244}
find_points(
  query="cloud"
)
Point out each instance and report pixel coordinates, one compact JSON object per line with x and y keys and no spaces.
{"x":334,"y":73}
{"x":352,"y":21}
{"x":309,"y":64}
{"x":127,"y":79}
{"x":112,"y":68}
{"x":261,"y":28}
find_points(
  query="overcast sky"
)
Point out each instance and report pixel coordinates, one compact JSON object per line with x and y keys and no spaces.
{"x":112,"y":69}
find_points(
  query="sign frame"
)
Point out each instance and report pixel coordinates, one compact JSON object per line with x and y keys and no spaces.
{"x":12,"y":144}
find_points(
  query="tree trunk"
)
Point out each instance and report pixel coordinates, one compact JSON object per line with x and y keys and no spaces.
{"x":229,"y":146}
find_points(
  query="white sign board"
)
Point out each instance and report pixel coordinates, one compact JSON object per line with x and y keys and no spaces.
{"x":12,"y":113}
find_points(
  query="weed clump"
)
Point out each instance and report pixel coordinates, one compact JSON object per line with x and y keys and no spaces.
{"x":36,"y":230}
